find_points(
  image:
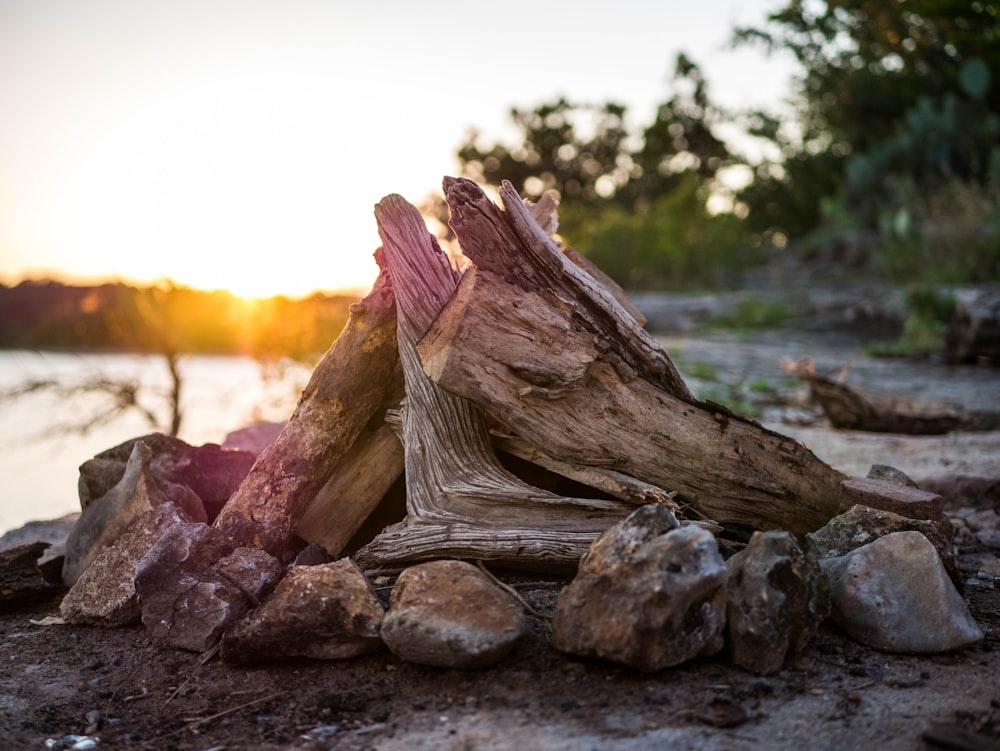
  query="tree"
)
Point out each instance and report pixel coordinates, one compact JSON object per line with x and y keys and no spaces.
{"x":896,"y":99}
{"x":578,"y":150}
{"x":634,"y":200}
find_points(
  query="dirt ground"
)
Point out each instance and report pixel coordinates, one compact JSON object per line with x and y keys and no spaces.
{"x":118,"y":687}
{"x":58,"y":680}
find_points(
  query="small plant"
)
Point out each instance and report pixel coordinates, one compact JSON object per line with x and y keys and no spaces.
{"x":701,"y":370}
{"x":753,"y":313}
{"x":929,"y":310}
{"x":733,"y":397}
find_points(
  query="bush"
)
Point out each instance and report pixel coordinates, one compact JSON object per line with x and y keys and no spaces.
{"x":673,"y":243}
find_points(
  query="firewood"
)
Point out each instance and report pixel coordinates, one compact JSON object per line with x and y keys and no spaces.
{"x":352,"y":385}
{"x":461,"y":502}
{"x":539,"y":345}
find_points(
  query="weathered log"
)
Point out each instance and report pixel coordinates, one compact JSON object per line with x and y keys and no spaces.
{"x":359,"y":482}
{"x":848,"y":409}
{"x":519,"y":251}
{"x":460,"y":501}
{"x":540,"y":346}
{"x":354,"y":382}
{"x":21,"y":578}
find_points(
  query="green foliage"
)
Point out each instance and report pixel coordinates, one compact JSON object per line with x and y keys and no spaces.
{"x":753,"y":313}
{"x":587,"y":154}
{"x":571,"y":148}
{"x":890,"y":153}
{"x":701,"y":370}
{"x":945,"y":232}
{"x":674,"y":242}
{"x":929,"y":311}
{"x":897,"y":129}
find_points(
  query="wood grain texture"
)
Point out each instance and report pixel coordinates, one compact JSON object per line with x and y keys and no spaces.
{"x":461,"y":502}
{"x":543,"y":350}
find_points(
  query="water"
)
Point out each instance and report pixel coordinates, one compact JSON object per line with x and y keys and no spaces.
{"x":40,"y":453}
{"x":41,"y":448}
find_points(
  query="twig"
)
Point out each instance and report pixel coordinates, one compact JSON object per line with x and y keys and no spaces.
{"x":212,"y":652}
{"x":511,"y":591}
{"x":191,"y":724}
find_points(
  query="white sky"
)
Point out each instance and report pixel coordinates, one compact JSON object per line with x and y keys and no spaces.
{"x":242,"y":144}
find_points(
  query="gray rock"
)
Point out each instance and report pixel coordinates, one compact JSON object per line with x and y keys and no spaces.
{"x":192,"y":585}
{"x":861,"y":525}
{"x":325,"y":612}
{"x":450,"y":614}
{"x":890,"y":474}
{"x":777,"y":596}
{"x":648,"y":593}
{"x":893,"y":594}
{"x":106,"y":518}
{"x":105,"y":595}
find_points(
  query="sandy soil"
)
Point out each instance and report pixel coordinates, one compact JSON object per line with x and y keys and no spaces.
{"x":118,"y":687}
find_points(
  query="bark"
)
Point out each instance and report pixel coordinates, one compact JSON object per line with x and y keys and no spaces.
{"x":21,"y":578}
{"x":352,"y":386}
{"x":540,"y":346}
{"x":460,"y":501}
{"x":354,"y":490}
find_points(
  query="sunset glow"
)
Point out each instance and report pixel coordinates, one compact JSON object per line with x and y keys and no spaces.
{"x":242,"y":145}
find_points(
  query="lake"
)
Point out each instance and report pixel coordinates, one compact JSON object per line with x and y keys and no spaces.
{"x":41,"y":448}
{"x":40,"y":452}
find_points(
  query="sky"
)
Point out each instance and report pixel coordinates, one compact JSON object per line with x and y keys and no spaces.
{"x":242,"y":145}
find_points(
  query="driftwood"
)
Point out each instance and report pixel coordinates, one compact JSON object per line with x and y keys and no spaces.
{"x":352,"y":386}
{"x":461,"y":502}
{"x":848,"y":409}
{"x":526,"y":342}
{"x":357,"y":486}
{"x":22,"y":579}
{"x":540,"y":346}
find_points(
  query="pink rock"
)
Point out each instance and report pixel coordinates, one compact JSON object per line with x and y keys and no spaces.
{"x":326,"y":612}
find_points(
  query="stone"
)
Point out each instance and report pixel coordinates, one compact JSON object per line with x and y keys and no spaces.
{"x":450,"y":614}
{"x":192,"y":584}
{"x":649,"y":593}
{"x":887,"y":495}
{"x":861,"y":525}
{"x":210,"y":471}
{"x":777,"y":596}
{"x":104,"y":519}
{"x":893,"y":594}
{"x":105,"y":595}
{"x":253,"y":438}
{"x":325,"y":612}
{"x":890,"y":474}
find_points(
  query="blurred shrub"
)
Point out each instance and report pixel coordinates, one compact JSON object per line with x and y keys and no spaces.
{"x":674,"y":242}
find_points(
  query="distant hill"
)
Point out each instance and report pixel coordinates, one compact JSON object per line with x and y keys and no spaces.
{"x":118,"y":317}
